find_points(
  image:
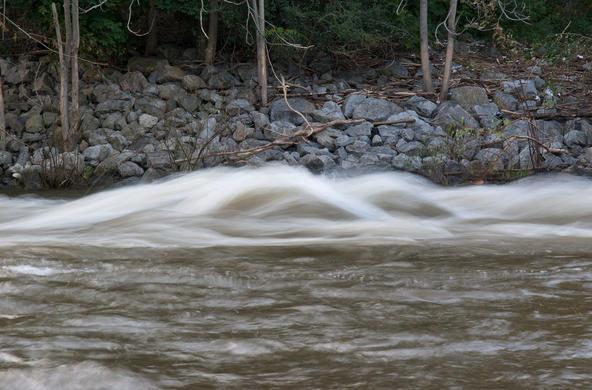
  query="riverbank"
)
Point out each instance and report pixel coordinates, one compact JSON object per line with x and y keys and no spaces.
{"x":156,"y":118}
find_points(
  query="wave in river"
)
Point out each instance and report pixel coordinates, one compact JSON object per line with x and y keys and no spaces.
{"x":280,"y":205}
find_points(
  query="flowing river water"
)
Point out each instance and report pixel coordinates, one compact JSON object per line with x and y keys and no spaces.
{"x":273,"y":277}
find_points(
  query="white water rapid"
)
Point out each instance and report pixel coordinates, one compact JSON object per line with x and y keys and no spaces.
{"x":279,"y":205}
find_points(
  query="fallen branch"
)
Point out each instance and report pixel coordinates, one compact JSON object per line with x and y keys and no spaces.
{"x":304,"y":133}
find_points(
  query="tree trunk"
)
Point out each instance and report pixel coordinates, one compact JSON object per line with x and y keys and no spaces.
{"x":259,"y":15}
{"x":74,"y":119}
{"x":212,"y":32}
{"x":2,"y":119}
{"x":425,"y":54}
{"x":63,"y":78}
{"x":151,"y":47}
{"x":449,"y":49}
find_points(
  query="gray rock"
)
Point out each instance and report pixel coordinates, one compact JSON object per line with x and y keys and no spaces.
{"x":422,"y":106}
{"x":343,"y":140}
{"x":535,"y":70}
{"x":551,"y":161}
{"x":363,"y":129}
{"x":118,"y":141}
{"x":549,"y":131}
{"x":469,"y":96}
{"x":167,"y":74}
{"x":34,"y":124}
{"x":239,"y":106}
{"x":115,"y":121}
{"x":152,"y":106}
{"x":281,"y":112}
{"x":580,"y":125}
{"x":311,"y":148}
{"x":148,"y":121}
{"x":375,"y":109}
{"x":192,"y":83}
{"x":575,"y":137}
{"x":412,"y":148}
{"x":5,"y":159}
{"x":524,"y":88}
{"x":242,"y":132}
{"x":489,"y":115}
{"x":491,"y":158}
{"x":351,"y":102}
{"x":106,"y":92}
{"x":129,"y":169}
{"x":114,"y":105}
{"x":493,"y":76}
{"x":328,"y":113}
{"x":189,"y":102}
{"x":525,"y":159}
{"x":97,"y":153}
{"x":260,"y":120}
{"x":318,"y":163}
{"x":451,"y":114}
{"x":279,"y":129}
{"x":539,"y":83}
{"x":407,"y":163}
{"x":170,"y":91}
{"x":133,"y":82}
{"x":376,"y":140}
{"x":358,"y":147}
{"x":133,"y":131}
{"x":159,"y":160}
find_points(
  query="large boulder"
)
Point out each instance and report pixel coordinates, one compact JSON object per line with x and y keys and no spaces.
{"x":281,"y":112}
{"x":489,"y":115}
{"x":328,"y":113}
{"x":97,"y":153}
{"x":505,"y":101}
{"x":279,"y":129}
{"x":152,"y":106}
{"x":422,"y":106}
{"x":129,"y":169}
{"x":373,"y":109}
{"x":524,"y":88}
{"x":192,"y":83}
{"x":133,"y":82}
{"x":491,"y":158}
{"x":452,"y":114}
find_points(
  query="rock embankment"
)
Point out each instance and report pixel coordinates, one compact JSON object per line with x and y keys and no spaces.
{"x":157,"y":118}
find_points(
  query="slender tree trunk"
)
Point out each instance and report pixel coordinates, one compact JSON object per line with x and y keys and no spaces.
{"x":212,"y":32}
{"x":75,"y":76}
{"x":259,"y":13}
{"x":2,"y":119}
{"x":449,"y":49}
{"x":152,"y":38}
{"x":425,"y":54}
{"x":63,"y":78}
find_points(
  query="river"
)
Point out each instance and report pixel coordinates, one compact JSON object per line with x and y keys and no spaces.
{"x":273,"y":277}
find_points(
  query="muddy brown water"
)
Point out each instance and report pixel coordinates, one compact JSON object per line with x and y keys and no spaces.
{"x":274,"y":278}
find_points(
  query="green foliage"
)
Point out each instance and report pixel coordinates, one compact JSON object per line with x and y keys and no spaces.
{"x":332,"y":26}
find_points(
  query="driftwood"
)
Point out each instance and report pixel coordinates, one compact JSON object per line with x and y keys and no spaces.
{"x":292,"y":139}
{"x":303,"y":134}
